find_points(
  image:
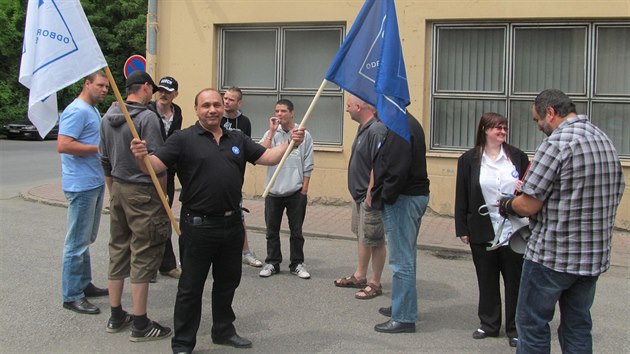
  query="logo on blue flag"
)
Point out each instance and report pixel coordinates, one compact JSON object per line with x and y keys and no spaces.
{"x":369,"y":68}
{"x":370,"y":64}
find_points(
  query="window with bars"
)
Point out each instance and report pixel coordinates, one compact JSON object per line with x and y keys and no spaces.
{"x":273,"y":62}
{"x":501,"y":67}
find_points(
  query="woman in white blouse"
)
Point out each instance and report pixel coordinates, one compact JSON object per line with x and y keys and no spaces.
{"x":484,"y":172}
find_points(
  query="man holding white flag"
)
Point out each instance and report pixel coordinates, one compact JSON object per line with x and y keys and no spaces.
{"x":59,"y":49}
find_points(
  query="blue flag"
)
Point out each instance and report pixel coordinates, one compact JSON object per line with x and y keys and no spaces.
{"x":370,"y":64}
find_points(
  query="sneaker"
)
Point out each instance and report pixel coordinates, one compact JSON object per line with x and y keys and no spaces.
{"x":153,"y":332}
{"x":268,"y":270}
{"x":115,"y":325}
{"x":249,"y":258}
{"x":173,"y":273}
{"x":301,"y":271}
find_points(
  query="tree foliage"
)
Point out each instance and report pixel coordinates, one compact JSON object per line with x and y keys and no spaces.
{"x":118,"y":25}
{"x":13,"y":96}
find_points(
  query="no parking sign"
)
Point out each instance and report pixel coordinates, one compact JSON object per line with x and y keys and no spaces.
{"x":134,"y":63}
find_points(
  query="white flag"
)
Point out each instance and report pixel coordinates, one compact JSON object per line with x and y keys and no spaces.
{"x":59,"y":49}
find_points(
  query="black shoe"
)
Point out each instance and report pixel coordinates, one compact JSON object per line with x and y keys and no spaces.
{"x":115,"y":325}
{"x":92,"y":291}
{"x":513,"y":342}
{"x":479,"y":334}
{"x":385,"y":311}
{"x":82,"y":306}
{"x":392,"y":326}
{"x":235,"y":341}
{"x":153,"y":332}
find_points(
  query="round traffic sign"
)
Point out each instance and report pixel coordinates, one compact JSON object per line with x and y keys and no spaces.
{"x":134,"y":63}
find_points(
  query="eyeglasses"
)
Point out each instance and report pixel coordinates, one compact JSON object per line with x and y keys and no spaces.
{"x":502,"y":127}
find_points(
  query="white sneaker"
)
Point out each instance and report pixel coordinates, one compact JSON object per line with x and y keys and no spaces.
{"x":249,"y":258}
{"x":268,"y":270}
{"x":301,"y":271}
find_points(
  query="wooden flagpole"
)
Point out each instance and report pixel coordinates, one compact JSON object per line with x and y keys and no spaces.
{"x":292,"y":143}
{"x":147,"y":162}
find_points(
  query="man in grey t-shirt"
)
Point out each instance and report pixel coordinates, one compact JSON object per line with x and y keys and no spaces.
{"x":367,"y":224}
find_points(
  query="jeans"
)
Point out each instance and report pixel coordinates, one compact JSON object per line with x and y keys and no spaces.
{"x":84,"y":216}
{"x":295,"y":206}
{"x":216,"y":243}
{"x":541,"y":288}
{"x":402,"y":224}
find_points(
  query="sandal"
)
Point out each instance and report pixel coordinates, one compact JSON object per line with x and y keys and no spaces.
{"x":369,"y":292}
{"x":351,"y":282}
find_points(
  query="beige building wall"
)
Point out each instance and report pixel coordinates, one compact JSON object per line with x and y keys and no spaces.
{"x":187,"y":50}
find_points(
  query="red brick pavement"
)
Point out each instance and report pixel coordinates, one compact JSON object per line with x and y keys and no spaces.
{"x":436,"y":233}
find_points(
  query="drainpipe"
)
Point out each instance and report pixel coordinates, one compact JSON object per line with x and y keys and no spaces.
{"x":152,"y":28}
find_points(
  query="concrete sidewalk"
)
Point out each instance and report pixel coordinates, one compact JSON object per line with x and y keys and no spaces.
{"x":437,"y":233}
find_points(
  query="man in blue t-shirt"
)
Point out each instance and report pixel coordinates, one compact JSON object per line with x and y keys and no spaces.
{"x":83,"y":184}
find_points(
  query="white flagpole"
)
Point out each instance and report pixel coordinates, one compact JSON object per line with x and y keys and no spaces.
{"x":292,"y":143}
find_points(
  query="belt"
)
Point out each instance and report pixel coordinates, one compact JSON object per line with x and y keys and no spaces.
{"x":198,"y":219}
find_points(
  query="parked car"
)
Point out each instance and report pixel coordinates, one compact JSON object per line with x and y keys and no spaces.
{"x":26,"y":130}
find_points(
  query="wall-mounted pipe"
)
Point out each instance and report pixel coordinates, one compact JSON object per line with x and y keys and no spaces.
{"x":152,"y":28}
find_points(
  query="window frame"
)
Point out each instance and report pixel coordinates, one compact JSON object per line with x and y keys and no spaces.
{"x":510,"y":96}
{"x":330,"y":90}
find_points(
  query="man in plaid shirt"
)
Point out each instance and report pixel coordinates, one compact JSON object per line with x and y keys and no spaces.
{"x":571,"y":192}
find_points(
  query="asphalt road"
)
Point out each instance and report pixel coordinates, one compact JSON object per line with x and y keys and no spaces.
{"x":26,"y":163}
{"x":281,"y":314}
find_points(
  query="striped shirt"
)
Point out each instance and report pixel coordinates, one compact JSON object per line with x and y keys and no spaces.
{"x":577,"y":173}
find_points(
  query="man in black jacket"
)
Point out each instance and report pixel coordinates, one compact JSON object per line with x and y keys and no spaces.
{"x":234,"y":119}
{"x":170,"y":116}
{"x":401,"y":190}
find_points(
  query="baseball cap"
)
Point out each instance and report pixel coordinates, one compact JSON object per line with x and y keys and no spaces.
{"x":140,"y":77}
{"x":169,"y":84}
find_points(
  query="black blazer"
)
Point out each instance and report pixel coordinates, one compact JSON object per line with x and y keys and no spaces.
{"x":468,"y":195}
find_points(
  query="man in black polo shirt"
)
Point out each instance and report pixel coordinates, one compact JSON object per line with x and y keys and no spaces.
{"x":210,"y":164}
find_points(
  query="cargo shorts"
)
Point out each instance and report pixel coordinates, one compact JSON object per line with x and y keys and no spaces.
{"x":367,"y":225}
{"x":139,"y":227}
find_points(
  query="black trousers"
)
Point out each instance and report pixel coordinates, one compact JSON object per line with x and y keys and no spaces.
{"x":490,"y":265}
{"x":295,"y":206}
{"x":168,"y":260}
{"x":217,"y":243}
